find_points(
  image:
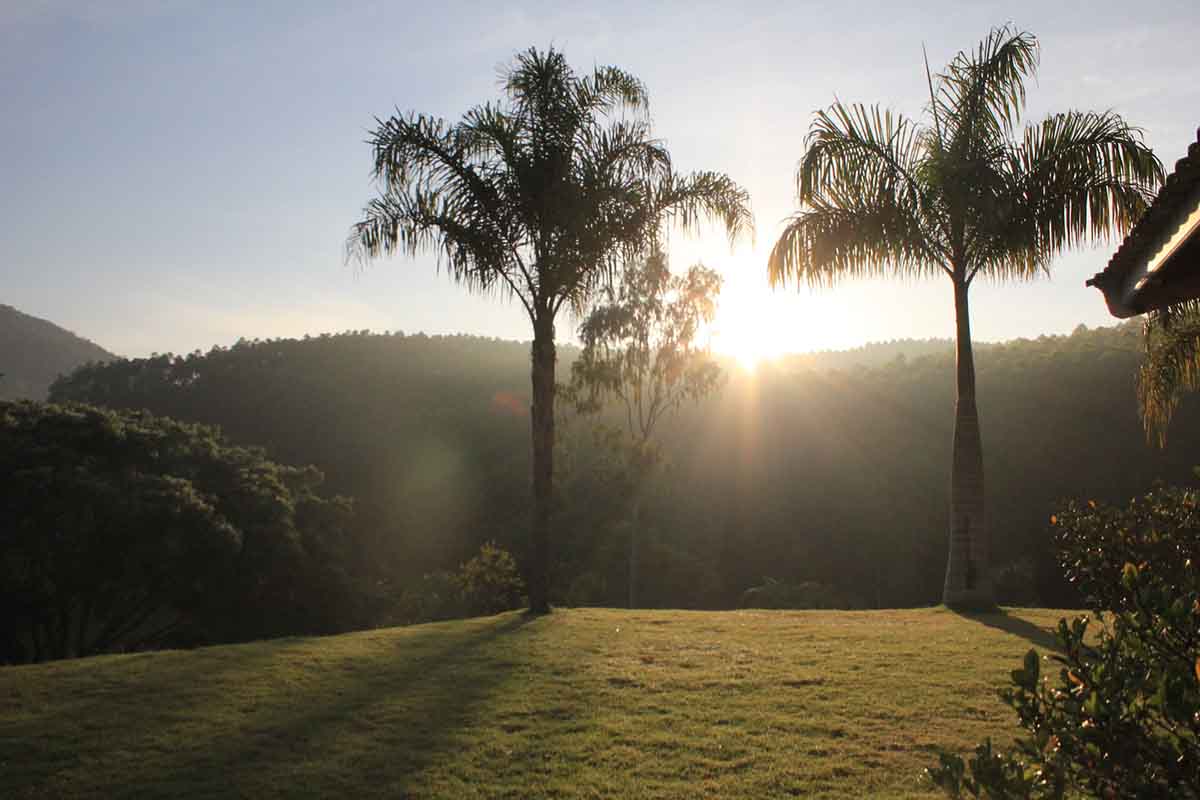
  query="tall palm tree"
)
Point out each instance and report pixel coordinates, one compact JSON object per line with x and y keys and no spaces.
{"x":540,"y":197}
{"x":967,"y":194}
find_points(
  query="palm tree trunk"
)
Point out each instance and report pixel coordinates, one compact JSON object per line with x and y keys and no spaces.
{"x":542,"y":434}
{"x":968,"y":580}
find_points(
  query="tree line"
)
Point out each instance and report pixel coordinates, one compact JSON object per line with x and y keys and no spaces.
{"x":794,"y":473}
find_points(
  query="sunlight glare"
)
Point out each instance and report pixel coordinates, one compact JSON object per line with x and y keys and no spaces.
{"x":743,"y":331}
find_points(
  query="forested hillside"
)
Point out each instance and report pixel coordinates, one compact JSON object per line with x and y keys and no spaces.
{"x":792,"y":472}
{"x":33,"y":352}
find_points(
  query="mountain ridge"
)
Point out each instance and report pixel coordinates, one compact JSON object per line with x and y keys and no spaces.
{"x":35,"y":351}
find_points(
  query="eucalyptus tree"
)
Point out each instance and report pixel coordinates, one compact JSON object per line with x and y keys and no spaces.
{"x":642,"y":347}
{"x":539,"y":197}
{"x":968,"y":193}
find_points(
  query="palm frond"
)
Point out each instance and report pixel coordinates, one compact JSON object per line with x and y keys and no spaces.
{"x":1084,"y":175}
{"x":611,"y":88}
{"x":853,"y":143}
{"x":827,"y":243}
{"x":866,"y":207}
{"x":981,"y":95}
{"x":1170,"y":368}
{"x":688,"y":200}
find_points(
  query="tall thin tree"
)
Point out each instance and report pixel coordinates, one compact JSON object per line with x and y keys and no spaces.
{"x":968,"y":194}
{"x":541,"y":197}
{"x":642,"y":346}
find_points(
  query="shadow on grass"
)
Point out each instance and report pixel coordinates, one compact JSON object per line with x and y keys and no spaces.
{"x":297,"y":719}
{"x":1004,"y":621}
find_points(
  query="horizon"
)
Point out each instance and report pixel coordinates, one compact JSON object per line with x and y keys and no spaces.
{"x":748,"y":365}
{"x":184,"y":175}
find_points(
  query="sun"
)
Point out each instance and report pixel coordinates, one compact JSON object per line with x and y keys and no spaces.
{"x":742,"y":330}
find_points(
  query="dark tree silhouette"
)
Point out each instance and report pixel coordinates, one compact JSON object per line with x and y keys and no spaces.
{"x":964,"y":196}
{"x":538,"y":197}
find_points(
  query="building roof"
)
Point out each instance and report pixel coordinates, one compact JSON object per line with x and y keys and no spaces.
{"x":1158,"y":264}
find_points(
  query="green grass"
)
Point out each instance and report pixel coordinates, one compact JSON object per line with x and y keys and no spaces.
{"x":582,"y":703}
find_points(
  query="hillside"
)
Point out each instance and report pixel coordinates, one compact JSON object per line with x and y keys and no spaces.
{"x":33,"y":352}
{"x":582,"y":703}
{"x":799,"y":473}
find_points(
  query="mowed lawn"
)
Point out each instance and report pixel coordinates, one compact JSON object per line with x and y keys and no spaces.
{"x":582,"y":703}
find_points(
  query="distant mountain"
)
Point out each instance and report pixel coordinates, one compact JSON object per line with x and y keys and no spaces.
{"x":33,"y":352}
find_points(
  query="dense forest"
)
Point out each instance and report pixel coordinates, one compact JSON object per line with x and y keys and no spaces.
{"x":794,"y":472}
{"x":33,"y":352}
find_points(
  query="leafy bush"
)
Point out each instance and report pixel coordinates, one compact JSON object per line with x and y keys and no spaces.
{"x":490,"y":582}
{"x":486,"y":584}
{"x":1121,"y":715}
{"x":123,"y":530}
{"x":436,"y":596}
{"x":774,"y":593}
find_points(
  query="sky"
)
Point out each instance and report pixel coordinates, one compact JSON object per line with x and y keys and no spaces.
{"x":180,"y":174}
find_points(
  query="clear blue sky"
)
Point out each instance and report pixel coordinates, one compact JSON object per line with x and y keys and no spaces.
{"x":175,"y":175}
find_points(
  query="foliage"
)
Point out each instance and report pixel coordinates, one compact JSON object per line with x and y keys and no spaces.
{"x":490,"y":582}
{"x":642,"y":348}
{"x":586,"y":703}
{"x":772,"y":593}
{"x":797,"y":471}
{"x":539,"y":198}
{"x":960,"y":196}
{"x":968,"y":194}
{"x":1171,"y":366}
{"x":1122,"y":716}
{"x":123,"y":530}
{"x":487,"y":583}
{"x":433,"y":597}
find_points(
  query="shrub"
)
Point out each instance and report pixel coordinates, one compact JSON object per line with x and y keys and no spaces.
{"x":1120,"y":717}
{"x":437,"y":596}
{"x":490,"y":582}
{"x":122,"y":530}
{"x":774,"y":593}
{"x":486,"y":584}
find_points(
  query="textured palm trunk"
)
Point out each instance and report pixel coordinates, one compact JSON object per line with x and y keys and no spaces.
{"x":542,"y":434}
{"x":968,"y":579}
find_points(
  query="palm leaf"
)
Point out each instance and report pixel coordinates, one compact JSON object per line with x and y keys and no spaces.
{"x":1171,"y":366}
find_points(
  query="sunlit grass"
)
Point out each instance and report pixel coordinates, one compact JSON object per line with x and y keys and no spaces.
{"x":582,"y":703}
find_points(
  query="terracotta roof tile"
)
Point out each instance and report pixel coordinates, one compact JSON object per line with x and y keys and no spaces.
{"x":1146,"y":232}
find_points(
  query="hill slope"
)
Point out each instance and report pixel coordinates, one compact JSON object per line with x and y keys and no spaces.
{"x":583,"y":703}
{"x":33,"y":352}
{"x":797,"y":472}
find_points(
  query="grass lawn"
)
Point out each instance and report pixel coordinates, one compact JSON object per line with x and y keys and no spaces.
{"x":582,"y":703}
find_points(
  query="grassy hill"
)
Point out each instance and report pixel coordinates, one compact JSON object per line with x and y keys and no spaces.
{"x":583,"y":703}
{"x":33,"y":352}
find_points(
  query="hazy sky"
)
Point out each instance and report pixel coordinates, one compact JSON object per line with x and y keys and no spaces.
{"x":175,"y":175}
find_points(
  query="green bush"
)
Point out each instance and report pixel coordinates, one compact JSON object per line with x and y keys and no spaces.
{"x":120,"y":530}
{"x":436,"y":596}
{"x":1120,"y":716}
{"x":486,"y":584}
{"x":772,"y":593}
{"x":490,"y":582}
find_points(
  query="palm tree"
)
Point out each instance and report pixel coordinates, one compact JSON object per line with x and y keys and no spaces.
{"x":1171,"y":365}
{"x":539,"y":197}
{"x":967,"y":194}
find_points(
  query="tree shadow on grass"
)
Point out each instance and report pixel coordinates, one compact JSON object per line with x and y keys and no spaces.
{"x":1004,"y":621}
{"x":308,"y":722}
